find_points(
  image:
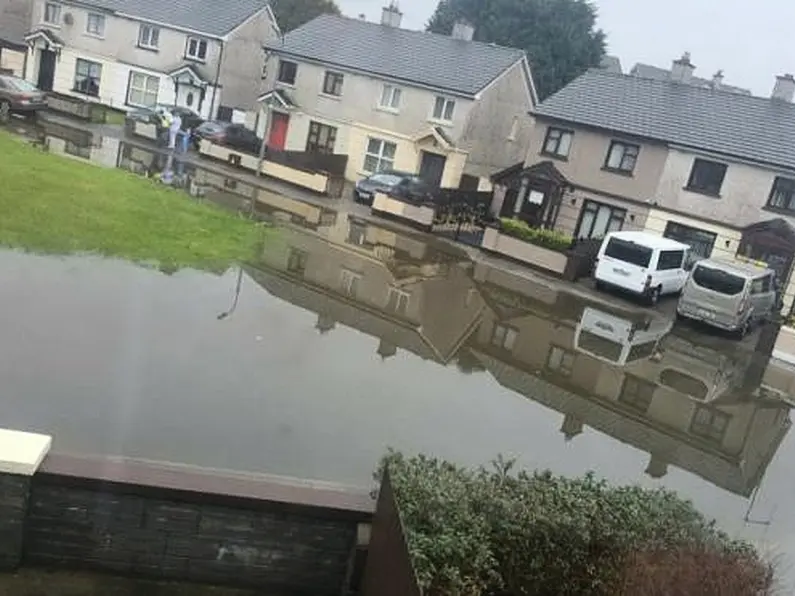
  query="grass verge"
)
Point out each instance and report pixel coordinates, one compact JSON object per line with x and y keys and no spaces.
{"x":52,"y":204}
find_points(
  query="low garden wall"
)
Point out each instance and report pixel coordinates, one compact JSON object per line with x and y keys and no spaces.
{"x":784,"y":348}
{"x":417,"y":214}
{"x":318,"y":182}
{"x":174,"y":522}
{"x":550,"y":260}
{"x":142,"y":129}
{"x":76,"y":107}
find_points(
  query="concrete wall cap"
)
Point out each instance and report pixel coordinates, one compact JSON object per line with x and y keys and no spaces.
{"x":22,"y":453}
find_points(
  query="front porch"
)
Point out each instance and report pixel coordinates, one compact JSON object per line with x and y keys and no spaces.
{"x":191,"y":87}
{"x":532,"y":194}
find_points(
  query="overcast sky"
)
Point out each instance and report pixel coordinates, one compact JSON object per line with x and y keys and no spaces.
{"x":751,"y":41}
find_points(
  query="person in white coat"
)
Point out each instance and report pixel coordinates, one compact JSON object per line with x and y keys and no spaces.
{"x":173,"y":131}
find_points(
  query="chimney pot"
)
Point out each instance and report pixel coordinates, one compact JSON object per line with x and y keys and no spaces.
{"x":391,"y":15}
{"x":463,"y":31}
{"x":682,"y":69}
{"x":717,"y":80}
{"x":784,"y":89}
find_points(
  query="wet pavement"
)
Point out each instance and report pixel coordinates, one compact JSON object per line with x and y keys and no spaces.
{"x":346,"y":336}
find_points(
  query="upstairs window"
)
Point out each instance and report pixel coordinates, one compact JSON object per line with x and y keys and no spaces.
{"x":52,"y":13}
{"x":148,"y":36}
{"x":557,"y":142}
{"x":95,"y":24}
{"x":287,"y":72}
{"x":443,"y":109}
{"x":332,"y":83}
{"x":390,"y":97}
{"x":706,"y":177}
{"x":621,"y":157}
{"x":782,"y":195}
{"x":196,"y":49}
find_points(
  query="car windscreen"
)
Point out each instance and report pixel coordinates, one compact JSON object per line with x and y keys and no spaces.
{"x":717,"y":280}
{"x":211,"y":127}
{"x":387,"y":179}
{"x":20,"y":85}
{"x":629,"y":252}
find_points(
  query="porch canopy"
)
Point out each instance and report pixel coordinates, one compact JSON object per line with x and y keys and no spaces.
{"x":532,"y":193}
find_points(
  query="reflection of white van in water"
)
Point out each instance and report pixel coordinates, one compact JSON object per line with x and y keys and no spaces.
{"x":617,"y":340}
{"x":644,"y":264}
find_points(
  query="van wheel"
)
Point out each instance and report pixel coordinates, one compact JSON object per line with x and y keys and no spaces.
{"x":654,"y":296}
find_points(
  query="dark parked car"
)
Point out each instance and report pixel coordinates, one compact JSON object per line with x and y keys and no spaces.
{"x":18,"y":96}
{"x":391,"y":181}
{"x":152,"y":115}
{"x":241,"y":138}
{"x":212,"y":130}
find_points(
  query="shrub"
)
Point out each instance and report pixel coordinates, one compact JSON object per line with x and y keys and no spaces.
{"x":547,"y":238}
{"x":490,"y":532}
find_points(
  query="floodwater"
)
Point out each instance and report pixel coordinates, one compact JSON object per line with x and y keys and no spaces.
{"x":345,"y":337}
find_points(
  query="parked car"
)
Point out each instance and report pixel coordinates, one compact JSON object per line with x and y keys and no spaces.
{"x":152,"y":115}
{"x":729,"y":295}
{"x":241,"y":138}
{"x":391,"y":181}
{"x":644,"y":264}
{"x":211,"y":130}
{"x":18,"y":96}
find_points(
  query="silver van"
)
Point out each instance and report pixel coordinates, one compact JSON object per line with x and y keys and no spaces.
{"x":731,"y":295}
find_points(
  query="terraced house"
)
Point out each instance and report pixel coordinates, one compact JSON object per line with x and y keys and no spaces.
{"x":450,"y":108}
{"x":142,"y":52}
{"x":709,"y":167}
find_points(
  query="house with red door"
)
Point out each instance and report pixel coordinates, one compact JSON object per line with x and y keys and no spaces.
{"x":450,"y":108}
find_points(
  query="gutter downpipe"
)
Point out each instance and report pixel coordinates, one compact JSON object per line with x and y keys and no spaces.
{"x":213,"y":107}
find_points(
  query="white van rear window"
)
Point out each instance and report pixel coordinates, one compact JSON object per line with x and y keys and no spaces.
{"x":718,"y":281}
{"x":629,"y":252}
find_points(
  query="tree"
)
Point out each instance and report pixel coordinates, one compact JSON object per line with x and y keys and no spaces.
{"x":559,"y":36}
{"x":291,"y":14}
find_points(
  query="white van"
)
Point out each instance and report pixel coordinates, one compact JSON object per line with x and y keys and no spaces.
{"x":643,"y":264}
{"x":617,"y":340}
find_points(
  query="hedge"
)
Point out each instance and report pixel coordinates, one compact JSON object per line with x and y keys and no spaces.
{"x":547,"y":238}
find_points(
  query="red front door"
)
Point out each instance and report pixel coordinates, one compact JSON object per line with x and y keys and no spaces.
{"x":278,"y":135}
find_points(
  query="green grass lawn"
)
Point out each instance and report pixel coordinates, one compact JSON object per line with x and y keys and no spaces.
{"x":53,"y":204}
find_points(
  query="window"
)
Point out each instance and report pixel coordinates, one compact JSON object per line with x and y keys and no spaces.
{"x":718,"y":281}
{"x":287,"y":72}
{"x":52,"y":13}
{"x":95,"y":24}
{"x":629,"y":252}
{"x":706,"y":177}
{"x":709,"y":424}
{"x":504,"y":337}
{"x":560,"y":361}
{"x":700,"y":241}
{"x":390,"y":97}
{"x":597,"y":219}
{"x":398,"y":300}
{"x":349,"y":282}
{"x":296,"y":261}
{"x":782,"y":195}
{"x":380,"y":155}
{"x":321,"y":138}
{"x":332,"y":83}
{"x":637,"y":392}
{"x":148,"y":36}
{"x":87,"y":77}
{"x":684,"y":383}
{"x":670,"y":259}
{"x":443,"y":109}
{"x":143,"y":89}
{"x":557,"y":142}
{"x":357,"y":233}
{"x":196,"y":49}
{"x":622,"y":157}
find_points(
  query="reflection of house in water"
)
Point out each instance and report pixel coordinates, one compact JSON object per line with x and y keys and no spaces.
{"x":676,"y":403}
{"x":79,"y":143}
{"x":396,"y":287}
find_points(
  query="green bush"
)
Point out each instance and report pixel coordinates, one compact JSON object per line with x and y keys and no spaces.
{"x":547,"y":238}
{"x":490,"y":532}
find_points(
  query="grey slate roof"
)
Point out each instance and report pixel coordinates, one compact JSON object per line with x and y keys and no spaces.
{"x":15,"y":18}
{"x":204,"y":16}
{"x":428,"y":59}
{"x":744,"y":126}
{"x":647,"y":71}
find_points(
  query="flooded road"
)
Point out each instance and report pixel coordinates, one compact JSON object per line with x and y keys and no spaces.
{"x":348,"y":337}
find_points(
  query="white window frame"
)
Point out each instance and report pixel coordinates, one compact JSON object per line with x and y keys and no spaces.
{"x":99,"y":20}
{"x":381,"y":159}
{"x":390,"y":97}
{"x":148,"y":36}
{"x":443,"y":108}
{"x":349,"y":282}
{"x":196,"y":55}
{"x":333,"y":82}
{"x":144,"y":89}
{"x":53,"y":18}
{"x":504,"y":337}
{"x":398,"y":300}
{"x":87,"y":75}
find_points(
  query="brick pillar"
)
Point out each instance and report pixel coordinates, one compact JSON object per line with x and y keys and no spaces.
{"x":21,"y":455}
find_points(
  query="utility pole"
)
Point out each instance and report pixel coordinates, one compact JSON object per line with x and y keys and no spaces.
{"x":261,"y":159}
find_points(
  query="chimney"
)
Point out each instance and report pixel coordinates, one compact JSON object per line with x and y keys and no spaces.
{"x":362,"y":17}
{"x":717,"y":80}
{"x":682,"y":69}
{"x":391,"y":15}
{"x":784,"y":88}
{"x":463,"y":31}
